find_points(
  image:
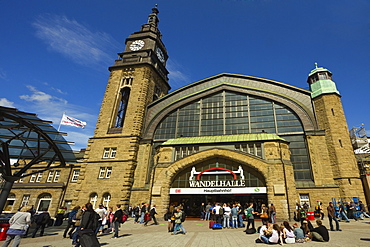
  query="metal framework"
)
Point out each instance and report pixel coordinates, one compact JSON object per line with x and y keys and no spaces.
{"x":26,"y":141}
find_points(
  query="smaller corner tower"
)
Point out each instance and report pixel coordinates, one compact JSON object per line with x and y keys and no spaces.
{"x":331,"y":118}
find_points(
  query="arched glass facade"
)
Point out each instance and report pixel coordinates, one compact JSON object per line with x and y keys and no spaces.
{"x":230,"y":113}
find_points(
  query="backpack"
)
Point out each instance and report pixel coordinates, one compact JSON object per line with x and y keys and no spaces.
{"x":74,"y":218}
{"x":251,"y":231}
{"x":71,"y":215}
{"x":303,"y":214}
{"x":183,"y":216}
{"x":248,"y":212}
{"x":221,"y":211}
{"x":124,"y":218}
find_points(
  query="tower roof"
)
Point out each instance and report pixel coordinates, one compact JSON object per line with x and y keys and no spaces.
{"x":318,"y":69}
{"x":153,"y":18}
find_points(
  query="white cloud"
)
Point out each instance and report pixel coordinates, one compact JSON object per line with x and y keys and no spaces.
{"x":40,"y":96}
{"x":51,"y":108}
{"x":2,"y":74}
{"x":78,"y":138}
{"x":177,"y":77}
{"x":6,"y":103}
{"x":74,"y":40}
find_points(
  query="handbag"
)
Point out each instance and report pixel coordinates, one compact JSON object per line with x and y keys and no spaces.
{"x":264,"y":215}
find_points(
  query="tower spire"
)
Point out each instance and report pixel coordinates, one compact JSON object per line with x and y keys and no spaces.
{"x":153,"y":18}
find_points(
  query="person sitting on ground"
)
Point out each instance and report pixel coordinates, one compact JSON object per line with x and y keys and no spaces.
{"x":299,"y":235}
{"x":306,"y":227}
{"x":264,"y":229}
{"x":320,"y":233}
{"x":275,"y":235}
{"x":288,"y":233}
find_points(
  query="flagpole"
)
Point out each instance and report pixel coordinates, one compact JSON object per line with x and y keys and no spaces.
{"x":60,"y":123}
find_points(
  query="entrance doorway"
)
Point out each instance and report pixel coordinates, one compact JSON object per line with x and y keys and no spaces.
{"x":192,"y":203}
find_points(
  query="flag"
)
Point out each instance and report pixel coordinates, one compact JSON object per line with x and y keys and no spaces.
{"x":66,"y":120}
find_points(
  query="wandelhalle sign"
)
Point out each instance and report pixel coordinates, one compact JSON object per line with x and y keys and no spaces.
{"x":232,"y":186}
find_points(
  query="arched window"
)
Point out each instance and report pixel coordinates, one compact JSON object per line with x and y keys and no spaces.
{"x":44,"y":201}
{"x":106,"y":199}
{"x":93,"y":199}
{"x":125,"y":95}
{"x":232,"y":113}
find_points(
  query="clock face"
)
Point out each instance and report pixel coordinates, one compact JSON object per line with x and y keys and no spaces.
{"x":137,"y":45}
{"x":160,"y":55}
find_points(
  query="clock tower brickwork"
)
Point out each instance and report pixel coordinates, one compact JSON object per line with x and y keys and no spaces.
{"x":137,"y":77}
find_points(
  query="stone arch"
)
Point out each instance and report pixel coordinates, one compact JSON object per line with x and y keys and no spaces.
{"x":165,"y":176}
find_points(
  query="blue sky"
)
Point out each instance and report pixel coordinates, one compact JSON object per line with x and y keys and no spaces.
{"x":55,"y":54}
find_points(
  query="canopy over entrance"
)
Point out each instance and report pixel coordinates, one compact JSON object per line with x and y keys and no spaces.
{"x":25,"y":141}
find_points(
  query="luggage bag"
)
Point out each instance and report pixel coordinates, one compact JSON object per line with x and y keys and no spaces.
{"x":87,"y":240}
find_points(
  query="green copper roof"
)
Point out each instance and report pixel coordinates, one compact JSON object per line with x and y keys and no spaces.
{"x":318,"y":69}
{"x":323,"y":87}
{"x":222,"y":139}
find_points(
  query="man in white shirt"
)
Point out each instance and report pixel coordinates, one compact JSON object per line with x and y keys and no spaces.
{"x":102,"y":212}
{"x":227,"y":211}
{"x":216,"y":211}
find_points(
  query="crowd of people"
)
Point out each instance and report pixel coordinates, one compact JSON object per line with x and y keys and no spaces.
{"x":233,"y":215}
{"x":85,"y":222}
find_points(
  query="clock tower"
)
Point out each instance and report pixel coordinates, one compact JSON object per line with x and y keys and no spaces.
{"x":138,"y":77}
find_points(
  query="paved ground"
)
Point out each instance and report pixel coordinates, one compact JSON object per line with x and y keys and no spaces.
{"x":198,"y":234}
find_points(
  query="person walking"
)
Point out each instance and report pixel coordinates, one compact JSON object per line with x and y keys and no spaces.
{"x":152,"y":212}
{"x":117,"y":220}
{"x":363,"y":210}
{"x":19,"y":223}
{"x":77,"y":220}
{"x":342,"y":212}
{"x":136,"y":212}
{"x":331,"y":216}
{"x":89,"y":223}
{"x":103,"y":213}
{"x":71,"y":222}
{"x":178,"y":222}
{"x":41,"y":220}
{"x":143,"y":211}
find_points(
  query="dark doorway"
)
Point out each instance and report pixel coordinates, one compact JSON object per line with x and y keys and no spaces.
{"x":193,"y":202}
